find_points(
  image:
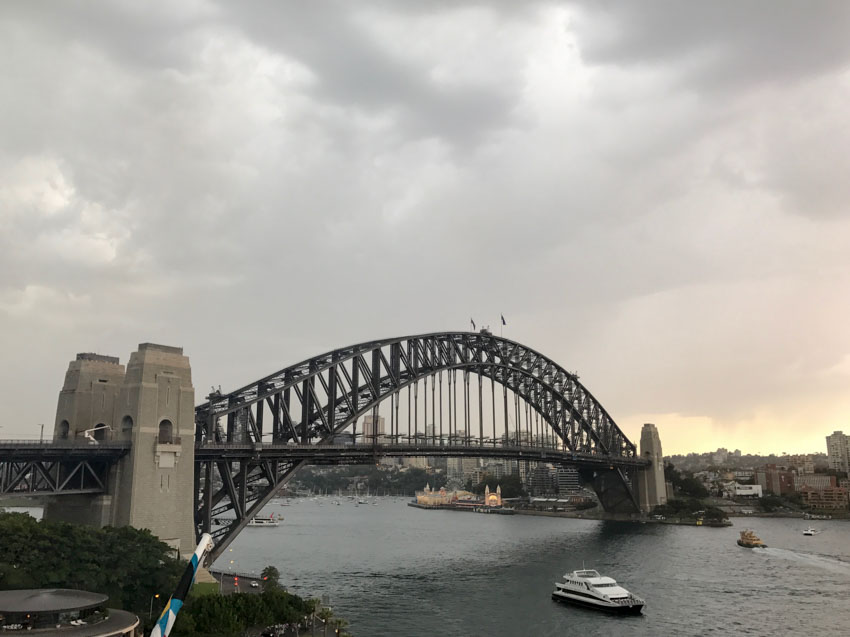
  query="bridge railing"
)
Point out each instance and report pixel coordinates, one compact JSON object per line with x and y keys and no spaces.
{"x":66,"y":444}
{"x":363,"y":450}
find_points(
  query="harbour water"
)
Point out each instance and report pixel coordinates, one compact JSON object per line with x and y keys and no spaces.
{"x":395,"y":570}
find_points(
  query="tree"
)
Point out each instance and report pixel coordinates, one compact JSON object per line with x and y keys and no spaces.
{"x":511,"y":485}
{"x":125,"y":563}
{"x":684,"y":482}
{"x":770,"y":502}
{"x":271,"y":578}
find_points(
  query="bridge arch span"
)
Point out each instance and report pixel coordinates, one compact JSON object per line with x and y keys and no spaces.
{"x":324,"y":395}
{"x":312,"y":402}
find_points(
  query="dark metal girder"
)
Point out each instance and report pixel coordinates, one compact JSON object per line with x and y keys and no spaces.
{"x":350,"y":385}
{"x":475,"y":343}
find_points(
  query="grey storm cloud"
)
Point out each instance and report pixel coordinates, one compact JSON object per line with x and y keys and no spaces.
{"x":722,"y":43}
{"x":651,"y":193}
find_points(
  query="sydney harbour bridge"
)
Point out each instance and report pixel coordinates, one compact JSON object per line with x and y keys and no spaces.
{"x":120,"y":439}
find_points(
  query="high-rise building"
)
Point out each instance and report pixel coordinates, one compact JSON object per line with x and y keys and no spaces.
{"x":454,"y":468}
{"x":419,"y":462}
{"x":568,"y":480}
{"x":541,"y":480}
{"x":801,"y":463}
{"x":838,"y":451}
{"x":373,"y":428}
{"x":469,"y":466}
{"x":775,"y":479}
{"x":495,"y":468}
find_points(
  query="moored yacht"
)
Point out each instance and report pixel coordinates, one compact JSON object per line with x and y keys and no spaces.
{"x":810,"y":531}
{"x":588,"y":588}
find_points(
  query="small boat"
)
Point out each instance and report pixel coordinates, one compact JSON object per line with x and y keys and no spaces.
{"x":810,"y":531}
{"x":750,"y":540}
{"x":588,"y":588}
{"x":264,"y":521}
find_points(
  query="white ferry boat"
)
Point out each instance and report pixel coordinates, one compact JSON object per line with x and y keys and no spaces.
{"x":588,"y":588}
{"x":269,"y":521}
{"x":810,"y":531}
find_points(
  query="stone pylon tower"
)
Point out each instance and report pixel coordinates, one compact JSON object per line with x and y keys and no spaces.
{"x":652,"y":488}
{"x":87,"y":408}
{"x":152,"y":406}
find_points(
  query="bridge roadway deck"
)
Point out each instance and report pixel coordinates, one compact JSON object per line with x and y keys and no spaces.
{"x":24,"y":450}
{"x":368,"y":453}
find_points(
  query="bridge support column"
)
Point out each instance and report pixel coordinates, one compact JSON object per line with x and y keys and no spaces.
{"x":86,"y":412}
{"x":651,"y":486}
{"x":152,"y":407}
{"x":614,"y":488}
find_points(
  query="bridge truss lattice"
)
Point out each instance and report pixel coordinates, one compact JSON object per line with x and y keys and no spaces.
{"x":245,"y":439}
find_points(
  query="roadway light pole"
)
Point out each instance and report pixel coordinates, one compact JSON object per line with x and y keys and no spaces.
{"x":41,"y":437}
{"x":150,"y":610}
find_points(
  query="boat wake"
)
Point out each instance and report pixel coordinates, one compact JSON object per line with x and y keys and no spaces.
{"x":821,"y":561}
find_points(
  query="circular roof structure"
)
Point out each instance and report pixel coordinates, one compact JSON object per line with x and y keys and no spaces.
{"x":49,"y":600}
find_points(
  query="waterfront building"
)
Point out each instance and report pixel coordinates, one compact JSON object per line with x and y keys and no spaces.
{"x":493,"y":499}
{"x":829,"y":498}
{"x":541,"y":480}
{"x":818,"y":481}
{"x":567,"y":480}
{"x":838,"y":451}
{"x":57,"y":611}
{"x":747,"y":490}
{"x":429,"y":497}
{"x":773,"y":479}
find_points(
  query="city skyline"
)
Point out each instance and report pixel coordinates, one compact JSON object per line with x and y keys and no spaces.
{"x":653,"y":196}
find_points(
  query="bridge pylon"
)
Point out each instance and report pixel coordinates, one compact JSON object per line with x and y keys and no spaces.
{"x":651,"y":485}
{"x":151,"y":405}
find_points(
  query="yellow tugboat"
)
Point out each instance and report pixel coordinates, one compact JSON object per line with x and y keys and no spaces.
{"x":750,"y":540}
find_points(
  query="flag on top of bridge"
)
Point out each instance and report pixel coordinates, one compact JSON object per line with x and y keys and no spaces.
{"x":166,"y":620}
{"x":473,"y":324}
{"x":503,"y":319}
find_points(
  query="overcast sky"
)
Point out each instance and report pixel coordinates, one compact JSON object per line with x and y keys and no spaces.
{"x":654,"y":194}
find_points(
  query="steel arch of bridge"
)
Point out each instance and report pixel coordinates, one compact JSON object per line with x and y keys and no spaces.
{"x":308,"y":403}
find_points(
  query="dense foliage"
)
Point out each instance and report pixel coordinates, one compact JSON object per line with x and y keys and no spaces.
{"x":384,"y":480}
{"x":684,"y":482}
{"x":271,"y":578}
{"x":127,"y":564}
{"x":511,"y":485}
{"x":226,"y":615}
{"x":131,"y":566}
{"x":689,"y":508}
{"x":770,"y":503}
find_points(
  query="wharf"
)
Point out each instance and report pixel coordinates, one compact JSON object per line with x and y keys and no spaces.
{"x":471,"y":509}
